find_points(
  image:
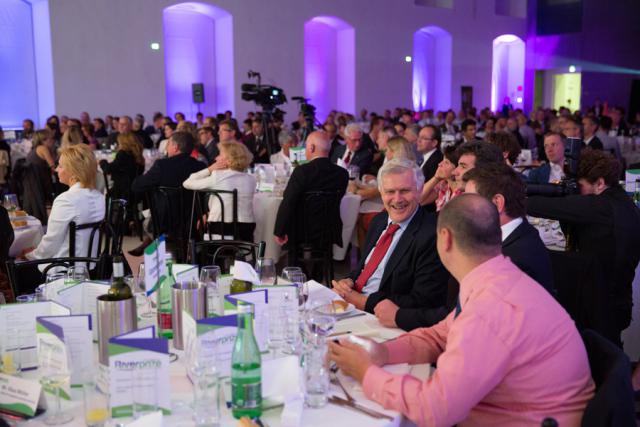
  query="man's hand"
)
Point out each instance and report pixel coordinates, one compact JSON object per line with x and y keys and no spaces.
{"x":357,"y":299}
{"x":354,"y":360}
{"x":386,"y":311}
{"x":343,"y":287}
{"x":281,"y":240}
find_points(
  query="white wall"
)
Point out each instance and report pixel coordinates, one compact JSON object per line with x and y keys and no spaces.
{"x":103,"y":63}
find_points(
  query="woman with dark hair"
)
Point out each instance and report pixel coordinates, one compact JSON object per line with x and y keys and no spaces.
{"x":53,"y":124}
{"x":42,"y":160}
{"x":443,"y":186}
{"x":128,"y":164}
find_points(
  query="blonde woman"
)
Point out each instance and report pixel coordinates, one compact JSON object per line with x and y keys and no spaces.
{"x":72,"y":136}
{"x":228,"y":173}
{"x":81,"y":203}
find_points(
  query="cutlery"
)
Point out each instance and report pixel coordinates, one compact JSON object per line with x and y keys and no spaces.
{"x":357,"y":407}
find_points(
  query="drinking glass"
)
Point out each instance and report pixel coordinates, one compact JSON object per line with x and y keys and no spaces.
{"x":11,"y":353}
{"x":266,"y":270}
{"x":300,"y":281}
{"x":52,"y":276}
{"x":287,"y":271}
{"x":144,"y":390}
{"x":96,"y":405}
{"x":206,"y":394}
{"x":77,"y":274}
{"x":11,"y":202}
{"x":53,"y":376}
{"x":141,"y":283}
{"x":25,"y":298}
{"x":41,"y":294}
{"x":316,"y":372}
{"x":209,"y":275}
{"x":354,"y":173}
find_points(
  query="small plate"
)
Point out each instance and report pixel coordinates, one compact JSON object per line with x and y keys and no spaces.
{"x":337,"y":308}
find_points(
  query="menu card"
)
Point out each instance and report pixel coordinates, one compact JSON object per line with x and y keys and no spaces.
{"x":139,"y":372}
{"x":53,"y":357}
{"x":260,"y":314}
{"x":81,"y":299}
{"x":155,"y":267}
{"x":210,"y":341}
{"x":20,"y":395}
{"x":20,"y":320}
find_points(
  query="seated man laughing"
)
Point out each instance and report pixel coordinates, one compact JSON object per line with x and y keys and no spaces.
{"x":400,"y":277}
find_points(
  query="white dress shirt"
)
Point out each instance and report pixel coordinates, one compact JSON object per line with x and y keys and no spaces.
{"x":556,"y":172}
{"x":81,"y":205}
{"x":280,"y":157}
{"x":510,"y":227}
{"x":225,"y":179}
{"x":373,"y":284}
{"x":426,"y":156}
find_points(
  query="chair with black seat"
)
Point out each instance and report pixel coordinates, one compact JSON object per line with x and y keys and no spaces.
{"x":170,"y":215}
{"x":59,"y":263}
{"x":581,"y":289}
{"x":219,"y":230}
{"x":613,"y":402}
{"x":222,"y":253}
{"x":311,"y":242}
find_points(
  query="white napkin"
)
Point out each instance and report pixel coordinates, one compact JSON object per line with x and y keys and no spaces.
{"x":276,"y":385}
{"x":319,"y":292}
{"x":153,"y":419}
{"x":292,"y":413}
{"x":244,"y":271}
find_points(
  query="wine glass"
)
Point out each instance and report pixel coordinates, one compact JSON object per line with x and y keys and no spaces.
{"x":77,"y":274}
{"x":54,"y":374}
{"x":10,"y":202}
{"x":266,"y":270}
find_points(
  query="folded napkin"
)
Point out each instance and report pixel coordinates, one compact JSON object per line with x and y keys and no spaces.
{"x":244,"y":271}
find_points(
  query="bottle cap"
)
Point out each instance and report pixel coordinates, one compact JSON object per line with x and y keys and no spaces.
{"x":245,"y":307}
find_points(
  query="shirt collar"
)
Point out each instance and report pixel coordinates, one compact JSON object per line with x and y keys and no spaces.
{"x":428,"y":154}
{"x":478,"y":277}
{"x":510,"y":227}
{"x":76,"y":186}
{"x":403,"y":225}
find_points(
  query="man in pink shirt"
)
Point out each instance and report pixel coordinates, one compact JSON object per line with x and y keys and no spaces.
{"x":508,"y":354}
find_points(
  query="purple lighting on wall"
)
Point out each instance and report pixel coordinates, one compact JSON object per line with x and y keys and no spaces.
{"x":198,"y":48}
{"x":507,"y":73}
{"x":329,"y":65}
{"x":431,"y":69}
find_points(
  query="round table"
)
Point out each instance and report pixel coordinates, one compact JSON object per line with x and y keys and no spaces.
{"x":265,"y":210}
{"x":26,"y":237}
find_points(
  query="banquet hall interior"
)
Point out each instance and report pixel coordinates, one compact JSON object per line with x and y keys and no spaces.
{"x":409,"y":212}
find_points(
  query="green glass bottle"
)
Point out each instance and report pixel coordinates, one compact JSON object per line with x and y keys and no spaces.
{"x":239,"y":286}
{"x":119,"y":289}
{"x":246,"y":373}
{"x":165,"y":328}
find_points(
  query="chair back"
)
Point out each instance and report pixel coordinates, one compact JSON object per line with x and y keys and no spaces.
{"x":170,"y":215}
{"x":200,"y":212}
{"x":94,"y":228}
{"x":613,"y":402}
{"x":13,"y":266}
{"x":222,"y":253}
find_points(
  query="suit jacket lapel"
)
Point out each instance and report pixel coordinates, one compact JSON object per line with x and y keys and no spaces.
{"x":515,"y":234}
{"x":403,"y":245}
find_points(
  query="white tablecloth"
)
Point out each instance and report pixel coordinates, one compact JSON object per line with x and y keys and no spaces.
{"x":265,"y":209}
{"x":27,"y":237}
{"x":182,"y":391}
{"x":150,"y":156}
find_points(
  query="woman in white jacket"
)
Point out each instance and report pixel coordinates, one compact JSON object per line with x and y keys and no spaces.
{"x":228,"y":173}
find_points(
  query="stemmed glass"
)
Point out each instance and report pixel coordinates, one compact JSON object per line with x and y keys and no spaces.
{"x":54,"y":375}
{"x":287,"y":271}
{"x":299,"y":279}
{"x":10,"y":202}
{"x":209,"y":275}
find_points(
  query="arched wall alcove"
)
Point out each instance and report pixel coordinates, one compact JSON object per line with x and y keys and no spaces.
{"x":431,"y":69}
{"x":507,"y":72}
{"x":329,"y":65}
{"x":26,"y":63}
{"x":198,"y":48}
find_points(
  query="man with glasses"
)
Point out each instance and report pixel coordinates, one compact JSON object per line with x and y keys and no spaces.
{"x":429,"y":154}
{"x":353,"y":153}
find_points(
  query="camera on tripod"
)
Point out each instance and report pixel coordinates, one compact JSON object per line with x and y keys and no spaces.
{"x":267,"y":97}
{"x":569,"y":184}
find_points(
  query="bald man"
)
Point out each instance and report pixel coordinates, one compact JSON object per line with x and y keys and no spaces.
{"x":508,"y":355}
{"x":318,"y":174}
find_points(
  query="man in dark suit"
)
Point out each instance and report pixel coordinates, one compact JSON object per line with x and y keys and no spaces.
{"x":208,"y":146}
{"x":520,"y":240}
{"x":261,"y":143}
{"x":319,"y":174}
{"x":353,"y":153}
{"x":400,"y":273}
{"x":590,"y":126}
{"x":448,"y":127}
{"x":171,"y":171}
{"x":553,"y":170}
{"x":603,"y":222}
{"x":429,"y":154}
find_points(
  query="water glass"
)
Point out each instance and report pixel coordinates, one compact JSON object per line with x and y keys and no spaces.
{"x":209,"y":275}
{"x":316,"y":375}
{"x":299,"y":279}
{"x":96,"y":405}
{"x":266,"y":270}
{"x":52,"y":276}
{"x":354,"y":172}
{"x":77,"y":274}
{"x":54,"y":376}
{"x":11,"y":202}
{"x":288,"y":271}
{"x":11,"y":352}
{"x":41,"y":293}
{"x":21,"y":299}
{"x":206,"y":395}
{"x":144,"y":391}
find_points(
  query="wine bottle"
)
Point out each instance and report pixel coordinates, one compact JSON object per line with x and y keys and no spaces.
{"x":119,"y":289}
{"x":165,"y":328}
{"x":246,"y":371}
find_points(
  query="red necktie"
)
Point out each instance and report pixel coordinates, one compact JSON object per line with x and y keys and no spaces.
{"x":348,"y":158}
{"x":378,"y":254}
